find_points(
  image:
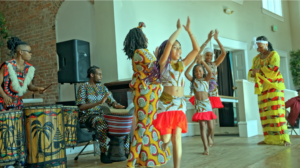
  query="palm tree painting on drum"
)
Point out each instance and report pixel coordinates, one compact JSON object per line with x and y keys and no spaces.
{"x":46,"y":130}
{"x":11,"y":136}
{"x":71,"y":116}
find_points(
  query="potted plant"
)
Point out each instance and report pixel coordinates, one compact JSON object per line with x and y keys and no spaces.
{"x":295,"y":67}
{"x":4,"y":34}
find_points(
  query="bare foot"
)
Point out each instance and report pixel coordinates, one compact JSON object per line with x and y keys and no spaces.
{"x":206,"y":152}
{"x":261,"y":143}
{"x":287,"y":144}
{"x":164,"y":146}
{"x":210,"y":141}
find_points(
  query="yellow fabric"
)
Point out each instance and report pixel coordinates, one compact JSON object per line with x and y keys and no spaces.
{"x":269,"y":86}
{"x":166,"y":98}
{"x":142,"y":61}
{"x":145,"y":149}
{"x":272,"y":60}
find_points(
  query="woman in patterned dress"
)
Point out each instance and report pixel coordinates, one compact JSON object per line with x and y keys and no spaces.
{"x":269,"y":86}
{"x":145,"y":150}
{"x":171,"y":120}
{"x":16,"y":76}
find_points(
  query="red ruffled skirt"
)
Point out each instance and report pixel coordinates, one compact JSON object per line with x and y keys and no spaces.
{"x":167,"y":122}
{"x":215,"y":102}
{"x":201,"y":116}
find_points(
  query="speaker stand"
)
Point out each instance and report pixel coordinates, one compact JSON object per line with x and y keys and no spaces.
{"x":75,"y":88}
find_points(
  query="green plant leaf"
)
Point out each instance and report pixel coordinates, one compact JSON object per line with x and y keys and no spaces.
{"x":4,"y":33}
{"x":295,"y":66}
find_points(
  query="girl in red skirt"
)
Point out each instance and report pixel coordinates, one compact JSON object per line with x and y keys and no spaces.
{"x":171,"y":120}
{"x":213,"y":86}
{"x":203,"y":109}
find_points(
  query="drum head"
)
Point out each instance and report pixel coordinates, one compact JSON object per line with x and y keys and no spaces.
{"x":11,"y":111}
{"x":71,"y":107}
{"x":119,"y":111}
{"x":52,"y":106}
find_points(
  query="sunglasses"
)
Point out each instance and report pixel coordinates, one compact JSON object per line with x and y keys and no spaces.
{"x":27,"y":51}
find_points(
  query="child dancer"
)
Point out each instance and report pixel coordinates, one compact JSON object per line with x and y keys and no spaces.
{"x":213,"y":86}
{"x":203,"y":110}
{"x":171,"y":120}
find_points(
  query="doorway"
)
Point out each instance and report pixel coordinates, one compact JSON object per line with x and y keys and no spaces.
{"x":233,"y":67}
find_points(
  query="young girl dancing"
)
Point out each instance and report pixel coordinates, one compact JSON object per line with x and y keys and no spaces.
{"x":171,"y":120}
{"x":203,"y":110}
{"x":213,"y":86}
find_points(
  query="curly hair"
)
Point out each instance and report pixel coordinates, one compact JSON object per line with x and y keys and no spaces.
{"x":194,"y":76}
{"x":270,"y":46}
{"x":13,"y":43}
{"x":135,"y":39}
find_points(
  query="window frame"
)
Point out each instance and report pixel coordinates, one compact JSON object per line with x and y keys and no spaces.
{"x":272,"y":14}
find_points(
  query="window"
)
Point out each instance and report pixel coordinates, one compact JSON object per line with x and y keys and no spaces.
{"x":273,"y":6}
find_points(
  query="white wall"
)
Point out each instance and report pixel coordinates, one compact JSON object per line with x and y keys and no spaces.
{"x":76,"y":20}
{"x":294,"y":9}
{"x":160,"y":18}
{"x":106,"y":49}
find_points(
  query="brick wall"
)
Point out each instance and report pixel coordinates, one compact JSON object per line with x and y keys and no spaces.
{"x":34,"y":23}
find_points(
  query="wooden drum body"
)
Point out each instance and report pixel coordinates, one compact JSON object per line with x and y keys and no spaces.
{"x":119,"y":123}
{"x":12,"y":139}
{"x":45,"y":136}
{"x":71,"y":122}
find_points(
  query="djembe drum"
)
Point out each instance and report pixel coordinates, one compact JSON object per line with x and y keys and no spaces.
{"x":45,"y":136}
{"x":11,"y":138}
{"x":119,"y":123}
{"x":71,"y":121}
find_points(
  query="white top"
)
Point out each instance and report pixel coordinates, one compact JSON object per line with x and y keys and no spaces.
{"x":214,"y":70}
{"x":200,"y":86}
{"x":174,"y":75}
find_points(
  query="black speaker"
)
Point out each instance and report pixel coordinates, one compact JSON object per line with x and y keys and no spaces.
{"x":74,"y":61}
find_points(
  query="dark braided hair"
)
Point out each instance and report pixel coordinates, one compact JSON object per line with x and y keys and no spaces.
{"x":155,"y":73}
{"x":135,"y":39}
{"x":92,"y":70}
{"x":13,"y":43}
{"x":194,"y":76}
{"x":270,"y":47}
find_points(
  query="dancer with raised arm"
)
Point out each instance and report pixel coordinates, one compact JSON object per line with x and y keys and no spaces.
{"x":200,"y":87}
{"x":213,"y":86}
{"x":145,"y":148}
{"x":171,"y":120}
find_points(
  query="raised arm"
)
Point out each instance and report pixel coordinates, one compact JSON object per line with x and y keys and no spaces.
{"x":187,"y":72}
{"x":223,"y":51}
{"x":208,"y":76}
{"x":210,"y":35}
{"x":169,"y":45}
{"x":191,"y":56}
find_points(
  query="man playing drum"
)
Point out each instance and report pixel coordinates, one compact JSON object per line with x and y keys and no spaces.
{"x":91,"y":95}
